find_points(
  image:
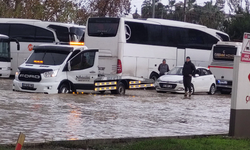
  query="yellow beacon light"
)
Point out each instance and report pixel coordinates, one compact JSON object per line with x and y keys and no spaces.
{"x":38,"y":61}
{"x":77,"y":43}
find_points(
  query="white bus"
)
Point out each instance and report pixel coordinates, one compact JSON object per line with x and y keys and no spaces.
{"x":222,"y":62}
{"x":136,"y":47}
{"x":30,"y":32}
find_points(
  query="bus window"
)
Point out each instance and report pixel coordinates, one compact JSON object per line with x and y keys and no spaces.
{"x":62,"y":33}
{"x":78,"y":32}
{"x":23,"y":33}
{"x":43,"y":35}
{"x":223,"y":37}
{"x":103,"y":27}
{"x":4,"y":29}
{"x":224,"y":53}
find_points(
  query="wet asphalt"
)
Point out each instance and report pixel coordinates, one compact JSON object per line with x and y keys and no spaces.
{"x":139,"y":113}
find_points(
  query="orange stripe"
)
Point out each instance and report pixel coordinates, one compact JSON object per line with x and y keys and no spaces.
{"x":18,"y":146}
{"x":222,"y":67}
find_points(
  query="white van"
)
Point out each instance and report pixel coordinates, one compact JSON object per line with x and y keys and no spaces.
{"x":222,"y":61}
{"x":63,"y":69}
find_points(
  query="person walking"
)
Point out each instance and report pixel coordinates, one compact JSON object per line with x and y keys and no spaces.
{"x":188,"y":71}
{"x":163,"y":67}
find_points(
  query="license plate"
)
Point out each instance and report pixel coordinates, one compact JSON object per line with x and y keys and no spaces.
{"x":28,"y":85}
{"x":222,"y":82}
{"x":167,"y":86}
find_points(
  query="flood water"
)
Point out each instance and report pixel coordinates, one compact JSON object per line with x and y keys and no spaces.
{"x":140,"y":113}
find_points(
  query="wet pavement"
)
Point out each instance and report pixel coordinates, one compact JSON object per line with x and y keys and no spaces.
{"x":140,"y":113}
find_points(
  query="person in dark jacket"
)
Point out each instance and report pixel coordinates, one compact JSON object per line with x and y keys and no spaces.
{"x":188,"y":71}
{"x":163,"y":67}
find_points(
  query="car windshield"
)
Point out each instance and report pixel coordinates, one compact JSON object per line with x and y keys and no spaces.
{"x":175,"y":71}
{"x":47,"y":57}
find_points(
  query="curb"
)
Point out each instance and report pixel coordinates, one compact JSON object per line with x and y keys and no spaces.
{"x":93,"y":142}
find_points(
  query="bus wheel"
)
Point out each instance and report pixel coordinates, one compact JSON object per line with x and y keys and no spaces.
{"x":64,"y":88}
{"x":120,"y":89}
{"x":154,"y":76}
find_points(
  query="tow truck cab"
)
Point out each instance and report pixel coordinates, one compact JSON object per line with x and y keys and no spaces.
{"x":63,"y":69}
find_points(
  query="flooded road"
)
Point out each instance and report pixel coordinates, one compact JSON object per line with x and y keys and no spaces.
{"x":140,"y":113}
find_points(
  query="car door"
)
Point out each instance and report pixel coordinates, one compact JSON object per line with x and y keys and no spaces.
{"x":208,"y":79}
{"x":197,"y":81}
{"x":83,"y":70}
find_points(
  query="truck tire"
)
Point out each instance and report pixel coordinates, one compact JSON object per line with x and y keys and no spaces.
{"x":225,"y":92}
{"x":120,"y":89}
{"x":64,"y":88}
{"x":154,"y":76}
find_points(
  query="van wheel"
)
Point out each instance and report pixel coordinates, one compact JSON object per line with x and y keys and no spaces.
{"x":120,"y":89}
{"x":154,"y":76}
{"x":212,"y":90}
{"x":64,"y":88}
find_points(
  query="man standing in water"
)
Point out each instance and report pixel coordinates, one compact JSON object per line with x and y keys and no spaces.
{"x":188,"y":71}
{"x":163,"y":67}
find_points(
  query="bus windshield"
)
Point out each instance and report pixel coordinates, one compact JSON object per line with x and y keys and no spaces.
{"x":4,"y":50}
{"x":224,"y":53}
{"x":175,"y":71}
{"x":103,"y":27}
{"x":47,"y":57}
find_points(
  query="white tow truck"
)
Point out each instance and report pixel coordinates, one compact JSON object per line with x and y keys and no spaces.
{"x":68,"y":69}
{"x":5,"y":57}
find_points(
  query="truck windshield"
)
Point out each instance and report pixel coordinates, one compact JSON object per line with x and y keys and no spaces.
{"x":103,"y":27}
{"x":224,"y":53}
{"x":175,"y":71}
{"x":4,"y":50}
{"x":47,"y":57}
{"x":78,"y":32}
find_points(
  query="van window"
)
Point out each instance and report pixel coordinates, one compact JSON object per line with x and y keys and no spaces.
{"x":224,"y":53}
{"x":23,"y":33}
{"x":103,"y":27}
{"x":47,"y":57}
{"x":82,"y":61}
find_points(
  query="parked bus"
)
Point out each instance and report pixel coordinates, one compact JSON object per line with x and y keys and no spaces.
{"x":30,"y":32}
{"x":136,"y":47}
{"x":5,"y":59}
{"x":222,"y":62}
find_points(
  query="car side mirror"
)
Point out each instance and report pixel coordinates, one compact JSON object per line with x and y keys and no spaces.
{"x":69,"y":66}
{"x":196,"y":75}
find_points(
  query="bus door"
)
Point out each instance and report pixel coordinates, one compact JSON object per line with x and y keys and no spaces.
{"x":180,"y":56}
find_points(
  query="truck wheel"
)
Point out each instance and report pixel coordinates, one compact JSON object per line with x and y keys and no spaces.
{"x":225,"y":92}
{"x":64,"y":88}
{"x":154,"y":76}
{"x":212,"y":90}
{"x":120,"y":89}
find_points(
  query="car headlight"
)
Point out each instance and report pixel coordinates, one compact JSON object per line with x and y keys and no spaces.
{"x":180,"y":82}
{"x":50,"y":74}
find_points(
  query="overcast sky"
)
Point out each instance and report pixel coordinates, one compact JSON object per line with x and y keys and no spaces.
{"x":137,"y":4}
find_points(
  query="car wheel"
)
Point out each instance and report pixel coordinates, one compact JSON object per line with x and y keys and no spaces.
{"x":64,"y":88}
{"x":192,"y":89}
{"x":212,"y":90}
{"x":120,"y":89}
{"x":154,"y":76}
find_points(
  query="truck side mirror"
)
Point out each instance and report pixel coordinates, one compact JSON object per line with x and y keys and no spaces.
{"x":69,"y":66}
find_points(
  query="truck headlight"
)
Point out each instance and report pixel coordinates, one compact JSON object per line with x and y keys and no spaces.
{"x":17,"y":72}
{"x":50,"y":74}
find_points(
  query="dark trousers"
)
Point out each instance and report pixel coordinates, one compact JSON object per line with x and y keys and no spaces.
{"x":187,"y":83}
